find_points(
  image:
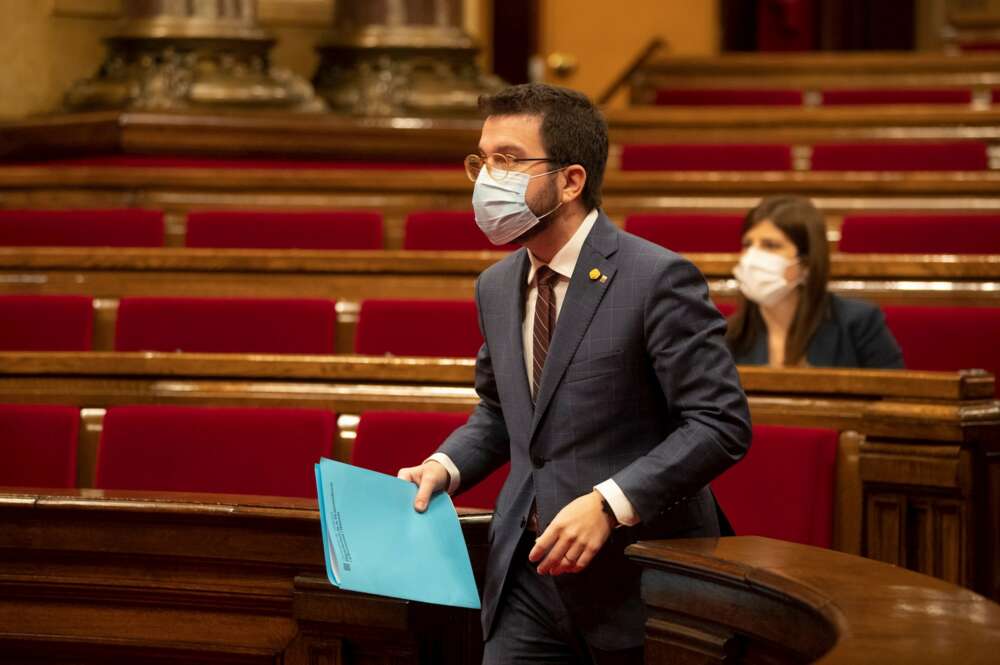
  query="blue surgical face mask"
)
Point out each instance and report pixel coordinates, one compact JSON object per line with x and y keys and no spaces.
{"x":502,"y":212}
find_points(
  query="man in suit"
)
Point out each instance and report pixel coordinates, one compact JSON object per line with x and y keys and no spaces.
{"x":604,"y":379}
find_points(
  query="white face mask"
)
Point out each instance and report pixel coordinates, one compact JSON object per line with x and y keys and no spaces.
{"x":761,"y":276}
{"x":502,"y":212}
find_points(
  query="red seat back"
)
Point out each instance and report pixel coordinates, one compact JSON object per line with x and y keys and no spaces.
{"x":921,"y":234}
{"x":728,"y":97}
{"x":706,"y":157}
{"x":46,"y":323}
{"x":285,"y":230}
{"x":784,"y":486}
{"x":947,"y":338}
{"x":689,"y":232}
{"x":447,"y":230}
{"x":224,"y":450}
{"x":418,"y":328}
{"x":226,"y":325}
{"x":900,"y":156}
{"x":390,"y":440}
{"x":129,"y":227}
{"x":725,"y":308}
{"x":863,"y":96}
{"x":38,"y":445}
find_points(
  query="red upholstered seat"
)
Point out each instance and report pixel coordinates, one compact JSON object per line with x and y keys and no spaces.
{"x":725,"y":308}
{"x":728,"y":97}
{"x":226,"y":325}
{"x":38,"y":445}
{"x":863,"y":96}
{"x":706,"y":157}
{"x":418,"y":328}
{"x":689,"y":232}
{"x":128,"y":227}
{"x":921,"y":234}
{"x":784,"y":486}
{"x":947,"y":338}
{"x":285,"y":230}
{"x":46,"y":323}
{"x":447,"y":230}
{"x":390,"y":440}
{"x":225,"y":450}
{"x":900,"y":156}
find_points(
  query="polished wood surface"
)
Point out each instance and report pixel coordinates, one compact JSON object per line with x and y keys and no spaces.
{"x":917,"y":471}
{"x":94,"y":576}
{"x":754,"y":600}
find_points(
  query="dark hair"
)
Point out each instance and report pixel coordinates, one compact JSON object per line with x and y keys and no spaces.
{"x":573,"y":129}
{"x":798,"y":219}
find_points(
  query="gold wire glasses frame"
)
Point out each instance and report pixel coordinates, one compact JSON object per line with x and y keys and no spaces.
{"x":497,"y":164}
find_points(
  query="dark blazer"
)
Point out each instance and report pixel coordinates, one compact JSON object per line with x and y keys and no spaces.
{"x":638,"y":386}
{"x":852,"y":334}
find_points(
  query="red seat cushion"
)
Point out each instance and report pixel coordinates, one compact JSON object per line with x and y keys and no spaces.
{"x":947,"y":338}
{"x":225,"y":450}
{"x":689,"y":232}
{"x":226,"y":325}
{"x":46,"y":323}
{"x":129,"y":227}
{"x":445,"y":230}
{"x":900,"y":156}
{"x":728,"y":97}
{"x":418,"y":328}
{"x":784,"y":486}
{"x":38,"y":445}
{"x":706,"y":157}
{"x":921,"y":234}
{"x":285,"y":230}
{"x":862,"y":96}
{"x":390,"y":440}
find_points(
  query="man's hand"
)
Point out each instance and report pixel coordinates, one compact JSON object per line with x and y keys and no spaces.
{"x":573,"y":538}
{"x":429,"y":477}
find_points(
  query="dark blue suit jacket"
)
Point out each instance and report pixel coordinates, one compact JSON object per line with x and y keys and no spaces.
{"x":852,"y":334}
{"x":638,"y":386}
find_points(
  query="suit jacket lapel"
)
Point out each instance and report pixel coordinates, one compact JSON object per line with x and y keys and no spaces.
{"x":516,"y":287}
{"x":582,"y":298}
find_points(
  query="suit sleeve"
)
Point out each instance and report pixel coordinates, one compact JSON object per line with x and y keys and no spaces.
{"x":876,"y":347}
{"x":482,"y":443}
{"x":705,"y":402}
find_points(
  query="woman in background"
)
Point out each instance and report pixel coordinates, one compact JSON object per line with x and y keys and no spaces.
{"x":785,"y":316}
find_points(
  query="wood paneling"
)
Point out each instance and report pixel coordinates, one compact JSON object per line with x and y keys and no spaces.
{"x":755,"y":600}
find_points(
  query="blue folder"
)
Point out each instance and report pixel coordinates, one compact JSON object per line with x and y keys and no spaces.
{"x":375,"y":542}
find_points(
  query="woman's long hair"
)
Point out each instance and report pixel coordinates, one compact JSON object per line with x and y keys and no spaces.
{"x":798,"y":219}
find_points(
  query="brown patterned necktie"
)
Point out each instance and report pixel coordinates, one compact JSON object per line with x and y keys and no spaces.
{"x":544,"y":323}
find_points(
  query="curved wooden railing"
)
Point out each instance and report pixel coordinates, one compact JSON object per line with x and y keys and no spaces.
{"x":756,"y":600}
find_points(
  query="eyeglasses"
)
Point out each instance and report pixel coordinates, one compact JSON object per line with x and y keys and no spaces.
{"x":497,"y":164}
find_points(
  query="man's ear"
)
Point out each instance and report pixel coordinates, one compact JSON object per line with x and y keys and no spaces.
{"x":574,"y":177}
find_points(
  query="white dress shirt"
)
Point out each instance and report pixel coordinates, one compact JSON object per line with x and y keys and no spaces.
{"x":563,"y":264}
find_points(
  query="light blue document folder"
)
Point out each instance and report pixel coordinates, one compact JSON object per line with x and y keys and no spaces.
{"x":375,"y":542}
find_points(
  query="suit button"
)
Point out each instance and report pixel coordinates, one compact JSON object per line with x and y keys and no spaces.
{"x":537,"y":462}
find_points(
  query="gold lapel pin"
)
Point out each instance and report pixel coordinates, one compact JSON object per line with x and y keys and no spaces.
{"x":595,"y":274}
{"x":604,"y":279}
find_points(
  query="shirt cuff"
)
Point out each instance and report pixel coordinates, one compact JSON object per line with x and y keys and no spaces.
{"x":620,"y":505}
{"x":453,"y":474}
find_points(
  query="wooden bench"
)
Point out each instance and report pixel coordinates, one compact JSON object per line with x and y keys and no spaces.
{"x":916,"y":465}
{"x":813,"y":72}
{"x":395,"y":193}
{"x":752,"y":600}
{"x":350,"y":277}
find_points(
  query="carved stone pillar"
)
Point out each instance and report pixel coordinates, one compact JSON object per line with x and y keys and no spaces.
{"x":186,"y":54}
{"x":400,"y":57}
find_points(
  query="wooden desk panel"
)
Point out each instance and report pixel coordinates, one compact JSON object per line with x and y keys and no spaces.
{"x":112,"y":577}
